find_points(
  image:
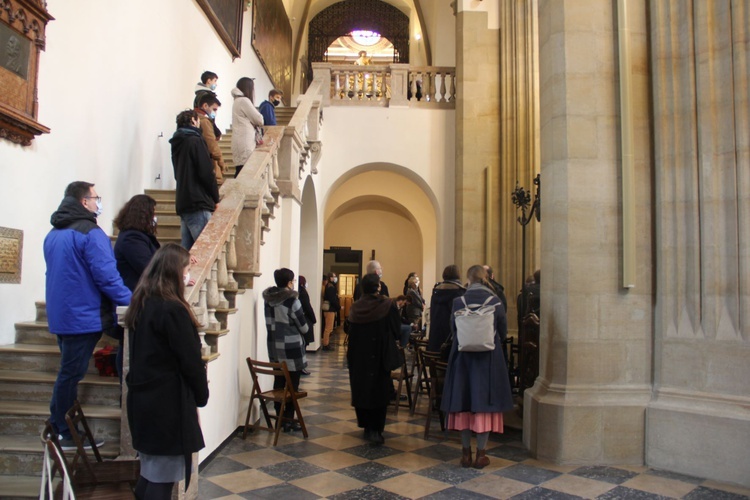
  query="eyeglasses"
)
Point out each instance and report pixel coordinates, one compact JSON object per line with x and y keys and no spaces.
{"x":97,"y":198}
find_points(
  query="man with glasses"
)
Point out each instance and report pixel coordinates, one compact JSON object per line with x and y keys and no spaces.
{"x":83,"y":288}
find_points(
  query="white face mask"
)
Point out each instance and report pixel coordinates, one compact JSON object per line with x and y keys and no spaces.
{"x":154,"y":222}
{"x":334,"y":280}
{"x":186,"y":279}
{"x":98,"y":208}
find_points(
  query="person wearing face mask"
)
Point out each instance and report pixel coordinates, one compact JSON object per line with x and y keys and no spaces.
{"x":82,"y":289}
{"x":245,"y":120}
{"x":209,"y":105}
{"x":267,"y":108}
{"x":207,"y":86}
{"x":331,"y":296}
{"x":197,"y":191}
{"x":286,"y":327}
{"x":167,"y":381}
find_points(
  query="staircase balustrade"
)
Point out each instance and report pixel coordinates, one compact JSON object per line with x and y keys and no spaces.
{"x":389,"y":85}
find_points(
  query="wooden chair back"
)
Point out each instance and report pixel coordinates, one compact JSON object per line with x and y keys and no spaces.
{"x":55,"y":463}
{"x":436,"y":370}
{"x":404,"y":378}
{"x":95,"y":471}
{"x":285,"y":396}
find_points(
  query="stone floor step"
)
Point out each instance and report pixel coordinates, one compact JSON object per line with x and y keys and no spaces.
{"x":161,"y":194}
{"x":22,"y":455}
{"x":37,"y":332}
{"x":37,"y":386}
{"x":28,"y":417}
{"x":40,"y":357}
{"x":17,"y":487}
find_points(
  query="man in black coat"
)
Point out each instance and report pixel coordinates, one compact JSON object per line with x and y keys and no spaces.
{"x":197,"y":191}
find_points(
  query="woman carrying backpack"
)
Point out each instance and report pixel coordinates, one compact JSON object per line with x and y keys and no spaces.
{"x":477,"y":390}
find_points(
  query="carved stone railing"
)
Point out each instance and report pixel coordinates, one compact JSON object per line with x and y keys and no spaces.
{"x":228,"y":248}
{"x":389,"y":85}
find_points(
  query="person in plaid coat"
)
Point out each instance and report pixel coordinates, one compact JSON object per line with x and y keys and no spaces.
{"x":286,"y":327}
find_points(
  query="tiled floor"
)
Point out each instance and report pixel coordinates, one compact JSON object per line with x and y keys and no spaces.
{"x":335,"y":462}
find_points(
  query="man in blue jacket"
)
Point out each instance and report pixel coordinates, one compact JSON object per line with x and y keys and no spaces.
{"x":83,"y":288}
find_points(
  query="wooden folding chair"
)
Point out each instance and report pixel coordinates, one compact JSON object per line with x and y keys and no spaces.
{"x":98,"y":471}
{"x":423,"y":378}
{"x":436,"y":370}
{"x":55,"y":463}
{"x":285,"y":396}
{"x":402,"y":375}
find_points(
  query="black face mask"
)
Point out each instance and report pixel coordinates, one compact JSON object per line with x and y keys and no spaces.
{"x":276,"y":102}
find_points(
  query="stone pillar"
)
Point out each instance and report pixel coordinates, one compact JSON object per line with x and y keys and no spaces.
{"x":519,"y":147}
{"x":477,"y":126}
{"x":699,"y":419}
{"x":399,"y":85}
{"x":588,"y":404}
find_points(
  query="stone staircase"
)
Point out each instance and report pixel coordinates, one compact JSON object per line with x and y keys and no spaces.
{"x":29,"y":369}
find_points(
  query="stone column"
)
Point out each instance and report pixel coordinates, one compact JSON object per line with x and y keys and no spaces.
{"x":699,"y":419}
{"x":477,"y":126}
{"x":588,"y":404}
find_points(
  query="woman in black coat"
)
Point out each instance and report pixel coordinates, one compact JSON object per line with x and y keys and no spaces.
{"x":373,"y":329}
{"x":441,"y":305}
{"x":136,"y":242}
{"x":167,"y":381}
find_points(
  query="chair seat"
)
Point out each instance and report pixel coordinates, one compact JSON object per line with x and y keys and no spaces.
{"x":110,"y":471}
{"x":278,"y":395}
{"x":106,"y":491}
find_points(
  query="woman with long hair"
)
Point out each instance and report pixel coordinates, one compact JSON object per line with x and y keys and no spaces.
{"x":167,"y":380}
{"x":476,"y":390}
{"x":136,"y":242}
{"x":245,"y":120}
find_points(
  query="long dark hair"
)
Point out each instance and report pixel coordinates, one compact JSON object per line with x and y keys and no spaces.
{"x":247,"y":87}
{"x":138,"y":214}
{"x":162,"y":279}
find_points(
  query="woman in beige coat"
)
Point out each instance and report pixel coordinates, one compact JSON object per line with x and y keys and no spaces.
{"x":245,"y":119}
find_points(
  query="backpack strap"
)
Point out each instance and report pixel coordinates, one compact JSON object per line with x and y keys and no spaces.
{"x":478,"y":306}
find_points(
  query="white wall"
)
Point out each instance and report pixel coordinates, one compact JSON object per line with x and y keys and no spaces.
{"x":113,"y":78}
{"x":417,"y":144}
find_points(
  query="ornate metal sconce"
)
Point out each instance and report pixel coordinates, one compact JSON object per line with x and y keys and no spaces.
{"x":521,"y":199}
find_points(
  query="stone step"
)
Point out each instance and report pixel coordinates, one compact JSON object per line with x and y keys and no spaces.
{"x":17,"y":487}
{"x":37,"y":332}
{"x":37,"y":386}
{"x":22,"y":455}
{"x":161,"y":194}
{"x":39,"y":357}
{"x":27,"y":418}
{"x":41,"y":310}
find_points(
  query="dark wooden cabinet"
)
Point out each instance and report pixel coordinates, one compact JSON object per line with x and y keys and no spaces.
{"x":22,"y":27}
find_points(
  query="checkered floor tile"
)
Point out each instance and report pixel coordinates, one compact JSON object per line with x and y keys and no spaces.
{"x":336,"y":462}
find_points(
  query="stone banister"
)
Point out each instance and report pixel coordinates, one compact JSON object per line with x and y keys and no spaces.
{"x":388,"y":85}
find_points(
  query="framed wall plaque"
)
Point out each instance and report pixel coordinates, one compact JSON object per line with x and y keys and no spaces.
{"x":226,"y":18}
{"x":22,"y":26}
{"x":11,"y":251}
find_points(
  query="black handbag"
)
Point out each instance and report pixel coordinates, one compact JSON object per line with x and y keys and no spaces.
{"x":445,"y":348}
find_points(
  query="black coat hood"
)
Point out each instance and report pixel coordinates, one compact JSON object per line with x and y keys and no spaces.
{"x":71,"y":211}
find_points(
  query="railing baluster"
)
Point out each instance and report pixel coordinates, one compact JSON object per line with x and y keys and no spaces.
{"x":222,"y":278}
{"x":212,"y":299}
{"x":232,"y":261}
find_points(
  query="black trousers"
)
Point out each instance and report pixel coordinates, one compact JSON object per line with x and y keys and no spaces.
{"x":372,"y":419}
{"x":279,"y":383}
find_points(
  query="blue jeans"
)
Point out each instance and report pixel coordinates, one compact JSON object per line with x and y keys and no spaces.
{"x":405,"y":334}
{"x":191,"y":225}
{"x":76,"y":351}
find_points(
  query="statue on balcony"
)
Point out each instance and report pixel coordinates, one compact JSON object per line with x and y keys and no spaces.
{"x":363,"y":60}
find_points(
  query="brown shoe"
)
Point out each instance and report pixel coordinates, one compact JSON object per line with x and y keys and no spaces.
{"x":465,"y":457}
{"x":482,"y":460}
